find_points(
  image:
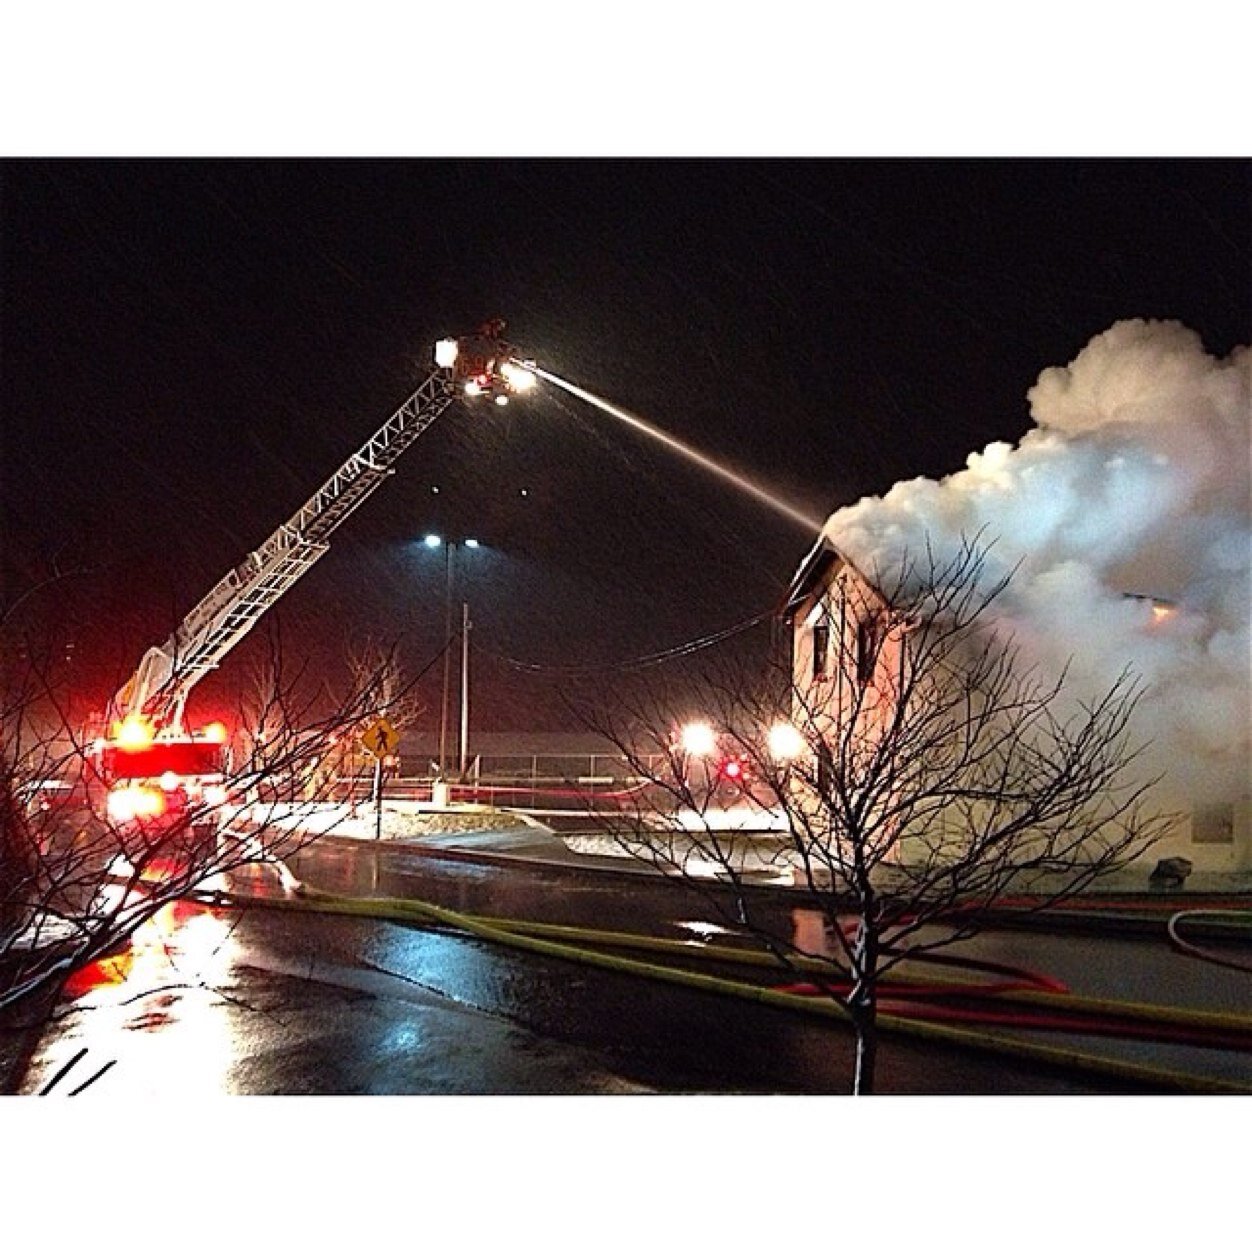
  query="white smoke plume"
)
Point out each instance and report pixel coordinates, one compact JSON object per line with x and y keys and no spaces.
{"x":1134,"y":487}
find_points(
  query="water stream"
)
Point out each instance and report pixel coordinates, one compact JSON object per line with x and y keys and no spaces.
{"x":705,"y":462}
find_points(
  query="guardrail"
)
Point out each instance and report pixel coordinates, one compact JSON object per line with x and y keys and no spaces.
{"x":536,"y":781}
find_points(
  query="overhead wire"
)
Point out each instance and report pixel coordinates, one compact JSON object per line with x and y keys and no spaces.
{"x":647,"y":661}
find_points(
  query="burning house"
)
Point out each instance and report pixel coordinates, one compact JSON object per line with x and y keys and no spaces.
{"x":1121,"y":526}
{"x":851,"y":669}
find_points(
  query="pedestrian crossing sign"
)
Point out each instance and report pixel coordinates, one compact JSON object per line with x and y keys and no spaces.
{"x":380,"y":739}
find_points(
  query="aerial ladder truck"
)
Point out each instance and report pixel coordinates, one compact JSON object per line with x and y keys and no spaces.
{"x":158,"y":773}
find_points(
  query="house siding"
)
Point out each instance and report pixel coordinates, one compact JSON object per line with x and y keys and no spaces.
{"x":1215,"y":836}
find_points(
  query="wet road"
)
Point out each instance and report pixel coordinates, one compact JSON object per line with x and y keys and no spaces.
{"x":216,"y":1000}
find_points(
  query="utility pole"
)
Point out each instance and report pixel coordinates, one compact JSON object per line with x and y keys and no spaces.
{"x":449,"y":578}
{"x":465,"y":630}
{"x":448,"y":561}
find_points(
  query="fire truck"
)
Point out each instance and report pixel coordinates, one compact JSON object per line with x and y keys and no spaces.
{"x":165,"y":781}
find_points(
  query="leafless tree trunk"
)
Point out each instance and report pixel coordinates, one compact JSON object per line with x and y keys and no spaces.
{"x":930,"y":774}
{"x":75,"y":884}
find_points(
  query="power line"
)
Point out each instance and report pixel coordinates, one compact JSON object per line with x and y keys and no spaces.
{"x":635,"y":663}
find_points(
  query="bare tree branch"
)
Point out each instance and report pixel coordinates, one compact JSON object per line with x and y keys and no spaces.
{"x":76,"y":883}
{"x":937,"y":775}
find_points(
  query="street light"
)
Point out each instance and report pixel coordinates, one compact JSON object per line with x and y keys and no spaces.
{"x":450,"y":546}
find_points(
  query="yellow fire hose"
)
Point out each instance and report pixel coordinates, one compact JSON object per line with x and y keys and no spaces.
{"x":563,"y":942}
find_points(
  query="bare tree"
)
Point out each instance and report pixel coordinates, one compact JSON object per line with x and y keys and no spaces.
{"x":378,"y":673}
{"x":915,"y":774}
{"x":75,"y":882}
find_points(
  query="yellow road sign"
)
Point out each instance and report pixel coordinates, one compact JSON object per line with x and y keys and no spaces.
{"x":380,"y":739}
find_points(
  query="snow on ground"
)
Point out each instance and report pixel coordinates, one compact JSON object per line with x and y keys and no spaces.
{"x":758,"y":852}
{"x":753,"y":851}
{"x":755,"y":855}
{"x":398,"y":819}
{"x":745,"y":818}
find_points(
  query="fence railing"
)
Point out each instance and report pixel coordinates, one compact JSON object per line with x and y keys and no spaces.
{"x":535,"y":781}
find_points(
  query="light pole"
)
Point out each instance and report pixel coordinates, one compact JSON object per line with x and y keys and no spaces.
{"x":465,"y":630}
{"x":449,"y":553}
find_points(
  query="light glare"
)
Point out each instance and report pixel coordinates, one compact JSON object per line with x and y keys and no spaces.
{"x":133,"y":733}
{"x":698,"y":739}
{"x":785,"y":742}
{"x":127,"y":803}
{"x":518,"y":378}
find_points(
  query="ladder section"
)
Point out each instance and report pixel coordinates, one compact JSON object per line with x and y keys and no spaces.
{"x":246,"y":592}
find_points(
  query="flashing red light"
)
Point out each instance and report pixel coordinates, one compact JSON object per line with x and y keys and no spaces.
{"x":732,"y":770}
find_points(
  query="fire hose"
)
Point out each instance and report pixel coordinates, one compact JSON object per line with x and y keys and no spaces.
{"x":914,"y":1008}
{"x":1242,"y":917}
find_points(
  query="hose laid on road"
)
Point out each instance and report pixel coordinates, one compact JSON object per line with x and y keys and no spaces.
{"x":513,"y":934}
{"x":1013,"y":978}
{"x":1019,"y":987}
{"x":1198,"y":1019}
{"x":1242,"y":918}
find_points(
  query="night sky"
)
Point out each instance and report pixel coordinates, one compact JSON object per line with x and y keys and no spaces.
{"x":190,"y":348}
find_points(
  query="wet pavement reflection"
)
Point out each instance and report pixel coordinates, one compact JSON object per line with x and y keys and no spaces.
{"x":152,"y":1011}
{"x":211,"y":1001}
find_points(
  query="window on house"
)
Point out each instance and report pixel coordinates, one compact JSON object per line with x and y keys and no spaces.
{"x":868,"y":643}
{"x":821,"y":648}
{"x":825,"y":769}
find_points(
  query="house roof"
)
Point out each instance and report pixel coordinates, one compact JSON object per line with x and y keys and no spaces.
{"x":812,"y":572}
{"x":817,"y":561}
{"x":823,"y":555}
